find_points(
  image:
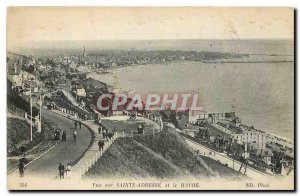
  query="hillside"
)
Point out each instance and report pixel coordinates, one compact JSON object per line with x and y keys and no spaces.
{"x":164,"y":155}
{"x":18,"y":133}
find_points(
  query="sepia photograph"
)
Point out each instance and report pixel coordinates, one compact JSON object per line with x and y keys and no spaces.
{"x":150,"y":98}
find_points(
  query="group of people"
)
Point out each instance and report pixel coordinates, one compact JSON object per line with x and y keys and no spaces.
{"x":63,"y":135}
{"x":77,"y":123}
{"x":106,"y":134}
{"x":82,"y":116}
{"x":62,"y":170}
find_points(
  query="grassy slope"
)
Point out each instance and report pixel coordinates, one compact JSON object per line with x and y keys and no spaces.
{"x":18,"y":133}
{"x":162,"y":155}
{"x":222,"y":170}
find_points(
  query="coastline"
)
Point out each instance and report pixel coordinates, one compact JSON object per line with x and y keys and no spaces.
{"x":97,"y":76}
{"x":128,"y":67}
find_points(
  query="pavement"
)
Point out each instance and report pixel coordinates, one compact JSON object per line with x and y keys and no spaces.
{"x":64,"y":152}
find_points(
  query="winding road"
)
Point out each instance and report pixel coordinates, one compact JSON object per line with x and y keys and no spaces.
{"x":64,"y":152}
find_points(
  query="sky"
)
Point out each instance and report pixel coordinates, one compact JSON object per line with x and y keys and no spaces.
{"x":25,"y":24}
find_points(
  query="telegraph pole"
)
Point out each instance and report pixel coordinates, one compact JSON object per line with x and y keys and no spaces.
{"x":41,"y":103}
{"x":30,"y":115}
{"x":40,"y":123}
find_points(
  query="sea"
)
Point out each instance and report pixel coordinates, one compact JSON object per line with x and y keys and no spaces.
{"x":260,"y":92}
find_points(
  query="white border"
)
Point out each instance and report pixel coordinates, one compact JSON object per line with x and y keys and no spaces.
{"x":290,"y":3}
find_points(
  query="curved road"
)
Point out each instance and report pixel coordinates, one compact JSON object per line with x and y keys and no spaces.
{"x":64,"y":152}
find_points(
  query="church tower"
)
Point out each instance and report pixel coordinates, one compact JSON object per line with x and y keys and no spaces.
{"x":84,"y":53}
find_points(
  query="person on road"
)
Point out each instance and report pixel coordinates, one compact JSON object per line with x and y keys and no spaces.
{"x":64,"y":136}
{"x":61,"y":170}
{"x":74,"y":135}
{"x":101,"y":145}
{"x":75,"y":123}
{"x":21,"y":167}
{"x":23,"y":150}
{"x":100,"y":129}
{"x":140,"y":129}
{"x":104,"y":133}
{"x":56,"y":135}
{"x":68,"y":170}
{"x":79,"y":124}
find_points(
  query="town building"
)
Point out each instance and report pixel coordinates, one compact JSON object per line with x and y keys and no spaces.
{"x":263,"y":154}
{"x":254,"y":136}
{"x":80,"y":91}
{"x":197,"y":115}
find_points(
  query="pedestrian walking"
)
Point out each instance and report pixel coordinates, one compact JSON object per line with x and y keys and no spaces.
{"x":21,"y":167}
{"x":64,"y":136}
{"x":100,"y":129}
{"x":23,"y":150}
{"x":104,"y":133}
{"x":74,"y":135}
{"x":75,"y":123}
{"x":110,"y":135}
{"x":140,"y":129}
{"x":56,"y":135}
{"x":79,"y":125}
{"x":68,"y":170}
{"x":61,"y":170}
{"x":100,"y":145}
